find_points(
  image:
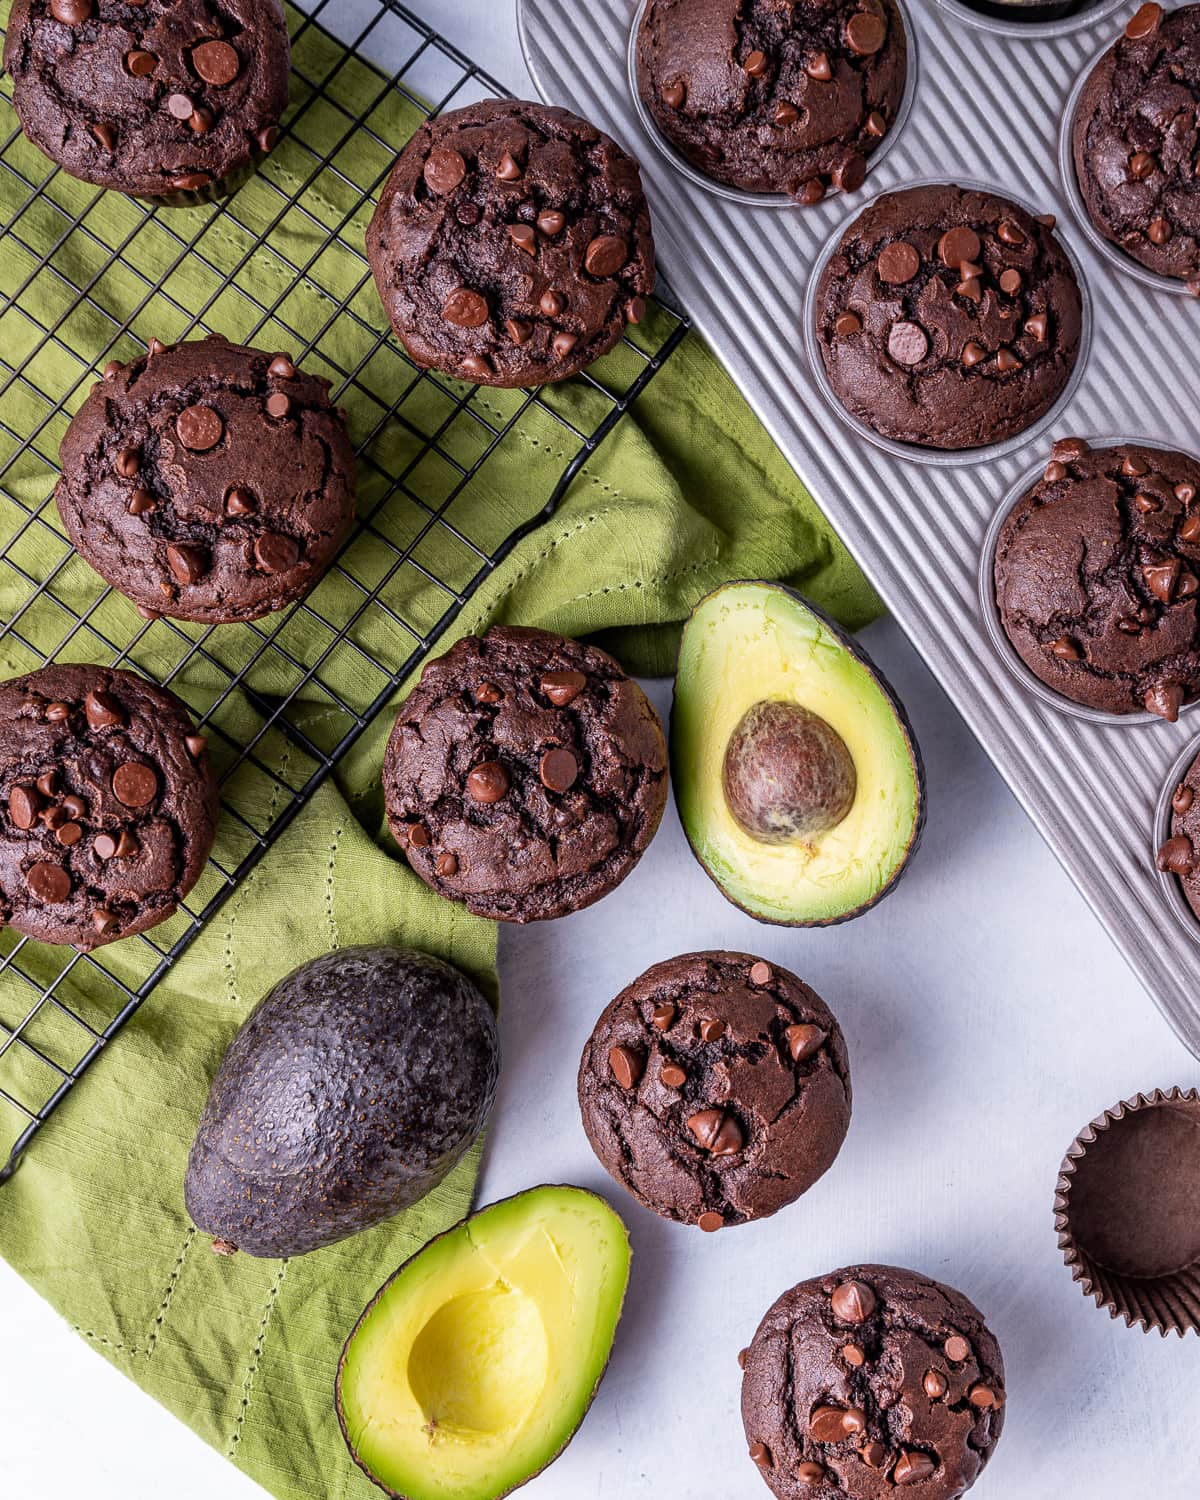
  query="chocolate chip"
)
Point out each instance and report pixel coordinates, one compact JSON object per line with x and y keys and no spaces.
{"x":275,"y":552}
{"x":716,"y":1132}
{"x":785,"y":114}
{"x":75,"y":807}
{"x":101,"y":710}
{"x":281,"y":368}
{"x":278,"y":404}
{"x":1133,"y":466}
{"x":1165,"y":699}
{"x":70,"y":12}
{"x":908,"y":343}
{"x":959,"y":244}
{"x":1054,"y":471}
{"x":1176,"y":856}
{"x":865,"y":33}
{"x":710,"y":1221}
{"x":935,"y":1384}
{"x":551,"y":222}
{"x":983,"y":1397}
{"x":68,"y":834}
{"x":552,"y":303}
{"x":663,"y":1016}
{"x":524,"y":237}
{"x":563,"y":343}
{"x":487,"y":782}
{"x":973,"y":353}
{"x":957,"y":1348}
{"x":674,"y":94}
{"x":848,"y":323}
{"x":898,"y":263}
{"x":1189,"y":531}
{"x":24,"y":804}
{"x":1037,"y":327}
{"x":196,"y":745}
{"x":417,"y":836}
{"x":240,"y":501}
{"x":1146,"y":19}
{"x":876,"y":124}
{"x":508,"y":169}
{"x":1141,"y":165}
{"x":1009,"y":233}
{"x":192,"y":181}
{"x":1066,"y":649}
{"x":127,"y":845}
{"x":1161,"y":578}
{"x":558,"y":770}
{"x":112,"y":369}
{"x":760,"y":972}
{"x":672,"y":1075}
{"x":830,"y":1424}
{"x":104,"y":846}
{"x":180,"y":106}
{"x":267,"y":137}
{"x":54,"y":817}
{"x":1159,"y":230}
{"x":970,"y":288}
{"x":216,"y":62}
{"x":872,"y":1453}
{"x":1010,"y":281}
{"x":134,"y":784}
{"x":155,"y":346}
{"x":446,"y":864}
{"x":756,"y":64}
{"x":488,"y":692}
{"x":465,"y":308}
{"x":626,"y":1065}
{"x":1182,"y":801}
{"x":605,"y":255}
{"x":57,"y":712}
{"x":199,"y":428}
{"x":127,"y":462}
{"x":201,"y":120}
{"x":854,"y":1356}
{"x":711,"y":1029}
{"x":105,"y":134}
{"x":812,"y":191}
{"x":850,"y":172}
{"x":1185,"y":493}
{"x":1047,"y":221}
{"x":742,"y":1353}
{"x":188,"y":564}
{"x":761,"y":1455}
{"x":475,"y":367}
{"x":103,"y":921}
{"x":804,"y":1041}
{"x":1007,"y":361}
{"x":49,"y":883}
{"x":852,"y":1301}
{"x":518,"y":329}
{"x":47,"y":783}
{"x":444,"y":169}
{"x":562,"y":687}
{"x":809,"y":1472}
{"x":140,"y":502}
{"x":912,"y":1467}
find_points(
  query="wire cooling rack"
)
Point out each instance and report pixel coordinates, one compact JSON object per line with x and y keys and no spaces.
{"x":444,"y":495}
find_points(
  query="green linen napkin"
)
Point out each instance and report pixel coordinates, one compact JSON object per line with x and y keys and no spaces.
{"x":688,"y":492}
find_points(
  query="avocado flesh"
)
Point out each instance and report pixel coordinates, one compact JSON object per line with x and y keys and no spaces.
{"x":474,"y":1365}
{"x":749,"y":643}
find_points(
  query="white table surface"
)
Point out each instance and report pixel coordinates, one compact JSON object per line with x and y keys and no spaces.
{"x":988,"y":1018}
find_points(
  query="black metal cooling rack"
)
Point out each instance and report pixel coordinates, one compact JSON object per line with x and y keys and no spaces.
{"x":445,"y":490}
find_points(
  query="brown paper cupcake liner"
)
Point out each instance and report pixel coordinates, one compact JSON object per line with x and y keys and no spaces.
{"x":1127,"y":1210}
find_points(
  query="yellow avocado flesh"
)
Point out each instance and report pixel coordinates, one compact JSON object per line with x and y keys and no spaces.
{"x":751,"y":642}
{"x":477,"y":1361}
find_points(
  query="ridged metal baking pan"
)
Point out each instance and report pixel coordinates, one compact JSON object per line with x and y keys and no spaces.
{"x":989,"y":106}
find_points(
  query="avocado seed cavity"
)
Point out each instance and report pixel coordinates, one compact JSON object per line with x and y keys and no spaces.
{"x":788,"y":775}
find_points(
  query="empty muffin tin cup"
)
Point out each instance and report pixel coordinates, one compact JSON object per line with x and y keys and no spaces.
{"x":1000,"y":23}
{"x":1116,"y":257}
{"x":744,"y":196}
{"x":1171,"y":885}
{"x":1127,"y":1210}
{"x":990,"y":610}
{"x":943,"y":457}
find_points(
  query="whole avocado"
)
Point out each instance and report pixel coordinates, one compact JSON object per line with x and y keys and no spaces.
{"x":351,"y":1090}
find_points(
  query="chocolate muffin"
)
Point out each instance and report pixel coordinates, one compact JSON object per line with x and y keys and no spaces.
{"x":1096,"y":577}
{"x":1180,"y":854}
{"x":207,"y":481}
{"x":512,"y":244}
{"x":716,"y":1088}
{"x":525,"y":776}
{"x":163,"y":99}
{"x":108,"y":804}
{"x":774,"y":98}
{"x":1135,"y":139}
{"x":869,"y":1380}
{"x":948,"y":317}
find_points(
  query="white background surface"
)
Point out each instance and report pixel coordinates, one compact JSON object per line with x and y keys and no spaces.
{"x":988,"y":1018}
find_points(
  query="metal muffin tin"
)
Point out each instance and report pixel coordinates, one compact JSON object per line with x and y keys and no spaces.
{"x":988,"y":106}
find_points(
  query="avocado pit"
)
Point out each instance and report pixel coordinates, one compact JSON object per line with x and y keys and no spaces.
{"x":787,"y":774}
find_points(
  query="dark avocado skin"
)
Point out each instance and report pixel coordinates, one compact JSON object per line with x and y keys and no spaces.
{"x":352,"y":1089}
{"x":860,"y":654}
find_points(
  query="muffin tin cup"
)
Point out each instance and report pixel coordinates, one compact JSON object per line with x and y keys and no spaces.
{"x":990,"y":610}
{"x":1174,"y":286}
{"x":688,"y":169}
{"x":943,"y":457}
{"x":1168,"y":884}
{"x":1125,"y":1207}
{"x":1030,"y":30}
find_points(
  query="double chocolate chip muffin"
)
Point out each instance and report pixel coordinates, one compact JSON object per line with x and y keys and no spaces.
{"x":776,"y":98}
{"x":164,"y":99}
{"x":207,"y":481}
{"x":870,"y":1380}
{"x":1096,"y":574}
{"x":1180,"y":855}
{"x":1136,"y":142}
{"x":512,"y":244}
{"x":108,"y":804}
{"x":526,"y":774}
{"x":716,"y":1088}
{"x":948,"y":317}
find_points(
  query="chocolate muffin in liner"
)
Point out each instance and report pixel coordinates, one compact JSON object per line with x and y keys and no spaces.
{"x":1127,"y":1210}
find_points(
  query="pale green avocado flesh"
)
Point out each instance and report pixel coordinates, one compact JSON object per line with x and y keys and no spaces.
{"x":476,"y":1362}
{"x":749,"y":644}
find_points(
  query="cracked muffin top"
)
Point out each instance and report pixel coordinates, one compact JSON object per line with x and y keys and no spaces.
{"x":525,"y":775}
{"x":108,"y":804}
{"x":869,"y":1380}
{"x":511,"y":245}
{"x":716,"y":1088}
{"x":150,"y":97}
{"x":1136,"y":137}
{"x":207,"y":481}
{"x":948,"y":317}
{"x":1096,"y":577}
{"x":775,"y":96}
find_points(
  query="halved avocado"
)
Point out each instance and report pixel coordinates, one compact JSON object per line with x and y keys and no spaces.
{"x":476,"y":1361}
{"x":796,"y":773}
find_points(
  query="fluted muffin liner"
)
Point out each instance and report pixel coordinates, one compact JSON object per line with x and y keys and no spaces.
{"x":1127,"y":1210}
